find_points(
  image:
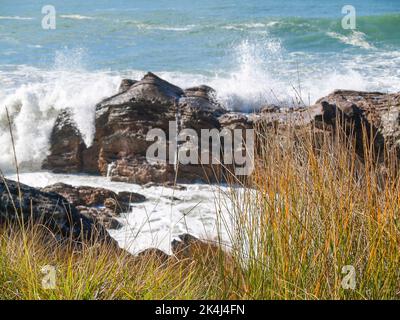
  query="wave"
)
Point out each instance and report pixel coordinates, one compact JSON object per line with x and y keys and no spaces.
{"x":164,"y":27}
{"x":15,"y":18}
{"x":261,"y":73}
{"x":76,"y":17}
{"x":355,"y":38}
{"x":34,"y":97}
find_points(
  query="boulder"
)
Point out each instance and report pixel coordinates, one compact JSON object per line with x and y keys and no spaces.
{"x":106,"y":217}
{"x":101,"y":204}
{"x":66,"y":146}
{"x":123,"y":121}
{"x":375,"y":112}
{"x":155,"y":254}
{"x":95,"y":197}
{"x":21,"y":202}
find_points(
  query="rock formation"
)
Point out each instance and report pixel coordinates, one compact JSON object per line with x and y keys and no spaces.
{"x":101,"y":204}
{"x":123,"y":121}
{"x":24,"y":204}
{"x":66,"y":146}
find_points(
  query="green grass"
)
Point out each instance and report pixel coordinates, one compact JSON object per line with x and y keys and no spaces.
{"x":305,"y":213}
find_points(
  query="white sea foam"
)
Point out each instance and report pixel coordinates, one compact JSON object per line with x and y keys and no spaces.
{"x":15,"y":18}
{"x":356,"y":38}
{"x":164,"y":27}
{"x":261,"y":73}
{"x":165,"y":215}
{"x":35,"y":97}
{"x":76,"y":17}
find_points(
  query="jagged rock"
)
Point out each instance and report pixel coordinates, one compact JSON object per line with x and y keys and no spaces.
{"x":104,"y":216}
{"x":378,"y":113}
{"x":125,"y":85}
{"x":66,"y":146}
{"x":99,"y":203}
{"x":123,"y":121}
{"x":50,"y":209}
{"x":94,"y":197}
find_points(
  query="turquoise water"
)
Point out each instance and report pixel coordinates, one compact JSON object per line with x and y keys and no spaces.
{"x":252,"y":52}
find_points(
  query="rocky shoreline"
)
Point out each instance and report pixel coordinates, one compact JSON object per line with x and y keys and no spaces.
{"x":119,"y":148}
{"x":123,"y":120}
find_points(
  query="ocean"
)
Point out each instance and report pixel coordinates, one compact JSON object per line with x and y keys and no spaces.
{"x":252,"y":52}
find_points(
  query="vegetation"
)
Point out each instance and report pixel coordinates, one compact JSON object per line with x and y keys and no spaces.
{"x":306,"y":212}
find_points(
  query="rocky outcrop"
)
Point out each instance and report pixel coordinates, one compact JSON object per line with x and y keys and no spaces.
{"x":101,"y":204}
{"x":21,"y":203}
{"x":123,"y":121}
{"x":378,"y":114}
{"x":66,"y":146}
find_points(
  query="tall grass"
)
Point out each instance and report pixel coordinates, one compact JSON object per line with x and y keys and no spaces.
{"x":311,"y":207}
{"x":316,"y":206}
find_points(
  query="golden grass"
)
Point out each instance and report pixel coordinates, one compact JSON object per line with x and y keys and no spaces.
{"x":311,"y":211}
{"x":305,"y":214}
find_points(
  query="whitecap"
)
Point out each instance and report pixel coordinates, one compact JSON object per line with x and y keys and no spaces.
{"x":356,"y":38}
{"x":76,"y":17}
{"x":15,"y":18}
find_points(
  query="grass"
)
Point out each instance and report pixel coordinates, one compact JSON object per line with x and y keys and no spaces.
{"x":305,"y":213}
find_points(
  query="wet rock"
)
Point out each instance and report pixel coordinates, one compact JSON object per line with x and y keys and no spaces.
{"x":50,"y":209}
{"x":66,"y":146}
{"x":123,"y":121}
{"x":99,"y":203}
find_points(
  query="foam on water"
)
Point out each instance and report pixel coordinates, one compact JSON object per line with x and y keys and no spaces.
{"x":165,"y":215}
{"x":35,"y":97}
{"x":15,"y":18}
{"x":356,"y":38}
{"x":261,"y":73}
{"x":75,"y":17}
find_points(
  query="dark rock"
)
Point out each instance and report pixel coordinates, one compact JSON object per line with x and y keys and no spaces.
{"x":50,"y":209}
{"x":94,"y":197}
{"x":125,"y":85}
{"x":122,"y":123}
{"x":170,"y":185}
{"x":104,"y":216}
{"x":66,"y":146}
{"x":101,"y":204}
{"x":378,"y":113}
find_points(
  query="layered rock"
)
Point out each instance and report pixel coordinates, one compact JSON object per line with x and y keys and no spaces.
{"x":21,"y":203}
{"x":375,"y":113}
{"x":101,"y":204}
{"x":123,"y":121}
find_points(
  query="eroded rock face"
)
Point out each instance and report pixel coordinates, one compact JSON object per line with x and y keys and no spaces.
{"x":123,"y":121}
{"x":51,"y":209}
{"x":378,"y":113}
{"x":66,"y":146}
{"x":101,"y":204}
